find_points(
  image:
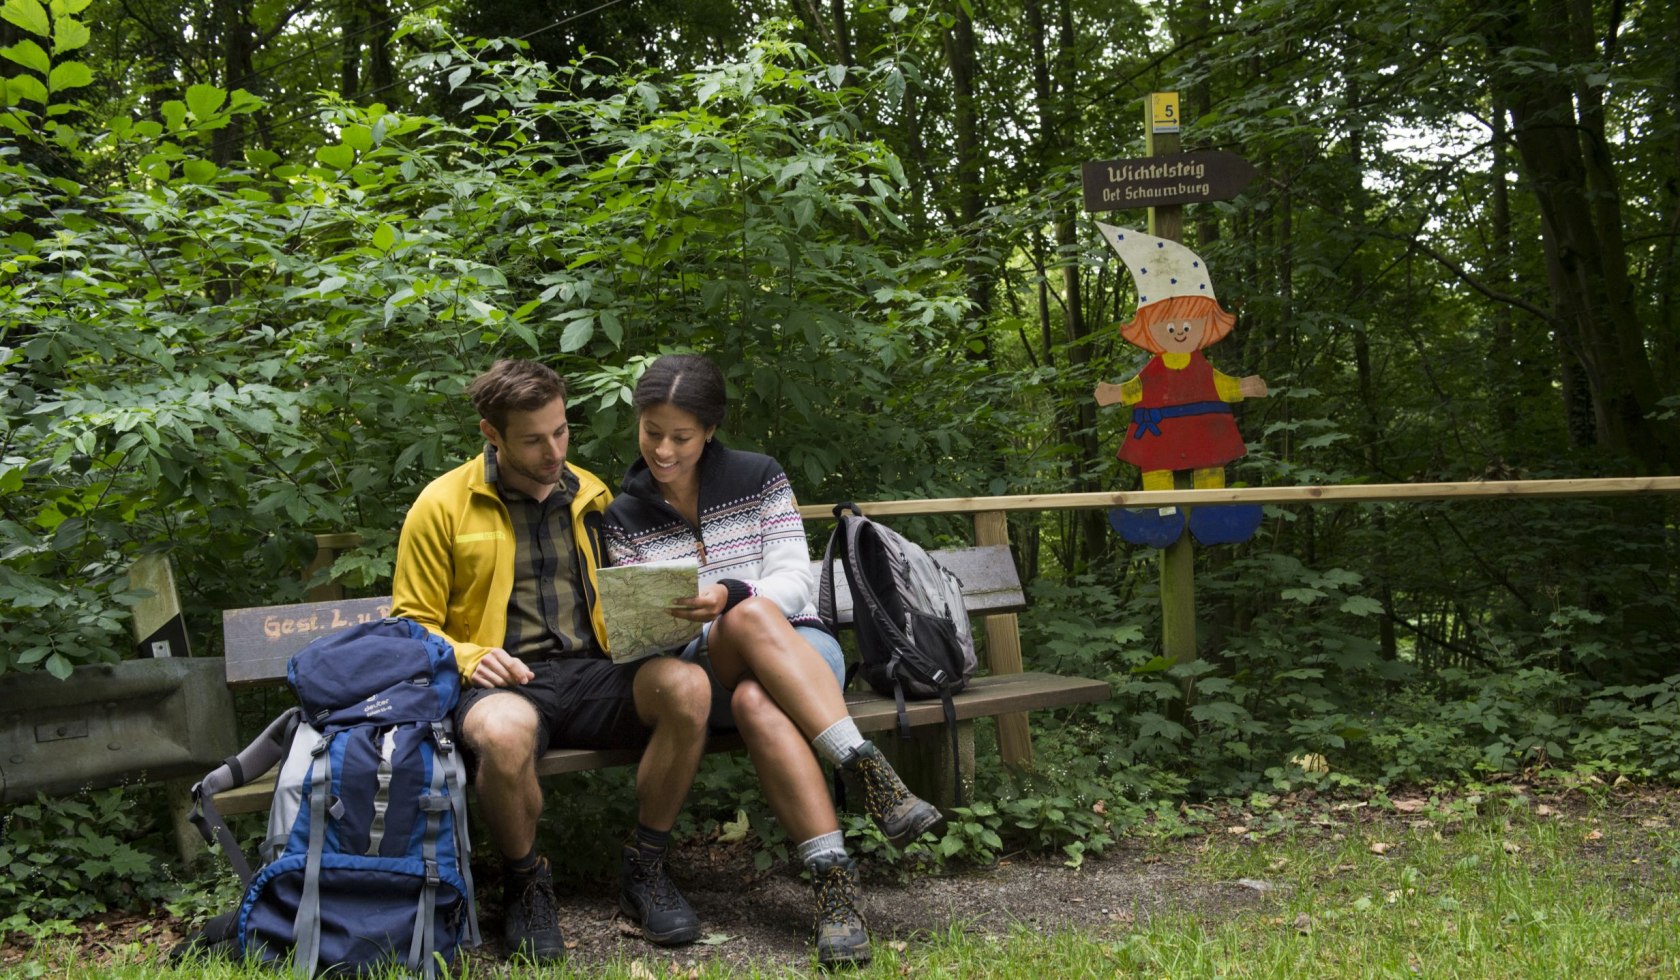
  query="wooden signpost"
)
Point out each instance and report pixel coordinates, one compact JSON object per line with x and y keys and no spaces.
{"x":1164,"y":181}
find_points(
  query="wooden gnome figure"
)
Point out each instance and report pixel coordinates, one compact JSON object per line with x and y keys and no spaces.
{"x":1181,"y":406}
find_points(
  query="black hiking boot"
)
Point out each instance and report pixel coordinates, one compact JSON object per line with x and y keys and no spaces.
{"x":530,"y":921}
{"x":901,"y":815}
{"x":653,"y":901}
{"x":841,"y":937}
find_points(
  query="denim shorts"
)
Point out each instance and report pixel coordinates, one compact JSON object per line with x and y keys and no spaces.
{"x":723,"y":718}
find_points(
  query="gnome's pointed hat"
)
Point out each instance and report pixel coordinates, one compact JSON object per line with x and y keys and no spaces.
{"x":1164,"y":270}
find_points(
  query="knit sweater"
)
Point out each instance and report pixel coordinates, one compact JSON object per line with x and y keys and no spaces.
{"x":754,"y":538}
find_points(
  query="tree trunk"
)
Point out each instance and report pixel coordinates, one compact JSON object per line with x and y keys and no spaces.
{"x":382,"y":74}
{"x":842,"y":34}
{"x":233,"y":26}
{"x":1566,"y":158}
{"x":350,"y":51}
{"x":1503,"y":371}
{"x":959,"y":52}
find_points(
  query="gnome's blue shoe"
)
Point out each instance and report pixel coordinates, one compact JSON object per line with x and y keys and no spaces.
{"x":1224,"y":523}
{"x":1154,"y":528}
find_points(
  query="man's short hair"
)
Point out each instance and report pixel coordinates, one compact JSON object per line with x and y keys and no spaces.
{"x":514,"y":386}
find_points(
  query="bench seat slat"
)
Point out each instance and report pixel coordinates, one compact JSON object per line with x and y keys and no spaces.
{"x":996,"y":694}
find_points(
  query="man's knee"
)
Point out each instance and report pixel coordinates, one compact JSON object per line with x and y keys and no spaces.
{"x":501,"y":730}
{"x":673,"y":692}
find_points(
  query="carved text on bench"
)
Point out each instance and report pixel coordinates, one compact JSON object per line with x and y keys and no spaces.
{"x":275,"y":627}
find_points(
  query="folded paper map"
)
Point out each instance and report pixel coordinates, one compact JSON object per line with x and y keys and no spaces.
{"x":635,"y":601}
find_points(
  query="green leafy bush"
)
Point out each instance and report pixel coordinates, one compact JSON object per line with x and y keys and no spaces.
{"x":65,"y":860}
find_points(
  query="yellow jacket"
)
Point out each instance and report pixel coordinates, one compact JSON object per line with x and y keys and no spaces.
{"x":454,"y":571}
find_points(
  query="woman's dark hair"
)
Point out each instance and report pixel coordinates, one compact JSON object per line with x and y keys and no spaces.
{"x":514,"y":386}
{"x":688,"y":381}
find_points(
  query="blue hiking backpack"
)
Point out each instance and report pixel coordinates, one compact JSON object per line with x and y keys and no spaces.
{"x":365,"y":865}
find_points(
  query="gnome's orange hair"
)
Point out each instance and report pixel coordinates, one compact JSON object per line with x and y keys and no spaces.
{"x":1178,"y":308}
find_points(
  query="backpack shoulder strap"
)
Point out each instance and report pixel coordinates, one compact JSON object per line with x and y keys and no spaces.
{"x":864,"y":595}
{"x":827,"y":606}
{"x":264,"y":752}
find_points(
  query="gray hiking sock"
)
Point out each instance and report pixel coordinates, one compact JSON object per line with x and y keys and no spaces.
{"x":831,"y":845}
{"x":837,"y":741}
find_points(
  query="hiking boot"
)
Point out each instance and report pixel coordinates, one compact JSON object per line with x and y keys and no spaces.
{"x":653,"y":901}
{"x":530,"y":921}
{"x":901,"y":815}
{"x":840,"y":934}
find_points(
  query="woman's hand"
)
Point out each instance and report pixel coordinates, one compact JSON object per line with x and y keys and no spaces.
{"x":703,"y":608}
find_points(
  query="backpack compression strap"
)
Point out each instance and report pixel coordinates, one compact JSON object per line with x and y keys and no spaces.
{"x":420,"y":948}
{"x":306,"y":928}
{"x":455,"y":778}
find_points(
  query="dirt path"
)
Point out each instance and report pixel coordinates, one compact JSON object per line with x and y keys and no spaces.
{"x":765,"y":918}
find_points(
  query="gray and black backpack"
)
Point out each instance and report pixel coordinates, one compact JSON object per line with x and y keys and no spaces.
{"x":913,"y":635}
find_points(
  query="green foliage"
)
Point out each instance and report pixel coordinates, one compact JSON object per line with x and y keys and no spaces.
{"x":64,"y":860}
{"x":220,"y":360}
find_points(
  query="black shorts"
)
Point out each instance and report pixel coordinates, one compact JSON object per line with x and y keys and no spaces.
{"x":581,"y":702}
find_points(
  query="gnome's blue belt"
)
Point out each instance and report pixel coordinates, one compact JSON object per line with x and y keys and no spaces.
{"x":1148,"y":420}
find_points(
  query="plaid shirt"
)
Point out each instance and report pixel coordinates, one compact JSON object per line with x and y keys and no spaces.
{"x":548,"y":616}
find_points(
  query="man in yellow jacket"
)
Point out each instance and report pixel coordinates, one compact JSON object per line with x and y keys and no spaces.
{"x":499,"y":557}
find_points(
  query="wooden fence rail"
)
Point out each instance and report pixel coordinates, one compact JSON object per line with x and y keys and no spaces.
{"x":991,"y":526}
{"x":1338,"y":494}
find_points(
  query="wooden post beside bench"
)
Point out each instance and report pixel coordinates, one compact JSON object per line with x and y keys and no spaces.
{"x":260,"y":641}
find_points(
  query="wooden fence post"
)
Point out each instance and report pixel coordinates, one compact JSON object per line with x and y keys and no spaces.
{"x":1178,"y":560}
{"x":327,"y":549}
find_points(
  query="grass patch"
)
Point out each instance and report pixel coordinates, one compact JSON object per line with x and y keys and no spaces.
{"x":1491,"y":885}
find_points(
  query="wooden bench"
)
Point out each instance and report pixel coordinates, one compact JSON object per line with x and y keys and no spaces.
{"x":260,"y":641}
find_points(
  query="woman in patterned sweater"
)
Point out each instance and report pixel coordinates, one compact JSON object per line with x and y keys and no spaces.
{"x":775,"y":670}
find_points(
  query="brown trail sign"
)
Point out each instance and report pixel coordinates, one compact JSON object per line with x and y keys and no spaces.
{"x":1171,"y":178}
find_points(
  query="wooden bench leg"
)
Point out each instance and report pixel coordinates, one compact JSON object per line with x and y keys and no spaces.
{"x":924,"y":762}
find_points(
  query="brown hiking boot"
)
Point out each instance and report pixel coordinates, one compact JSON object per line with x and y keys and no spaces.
{"x":841,"y":937}
{"x":901,"y":815}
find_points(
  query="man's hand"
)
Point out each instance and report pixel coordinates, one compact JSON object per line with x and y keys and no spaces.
{"x":705,"y":607}
{"x":499,"y":668}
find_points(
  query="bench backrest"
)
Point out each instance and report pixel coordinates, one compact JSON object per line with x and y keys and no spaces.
{"x":260,"y":641}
